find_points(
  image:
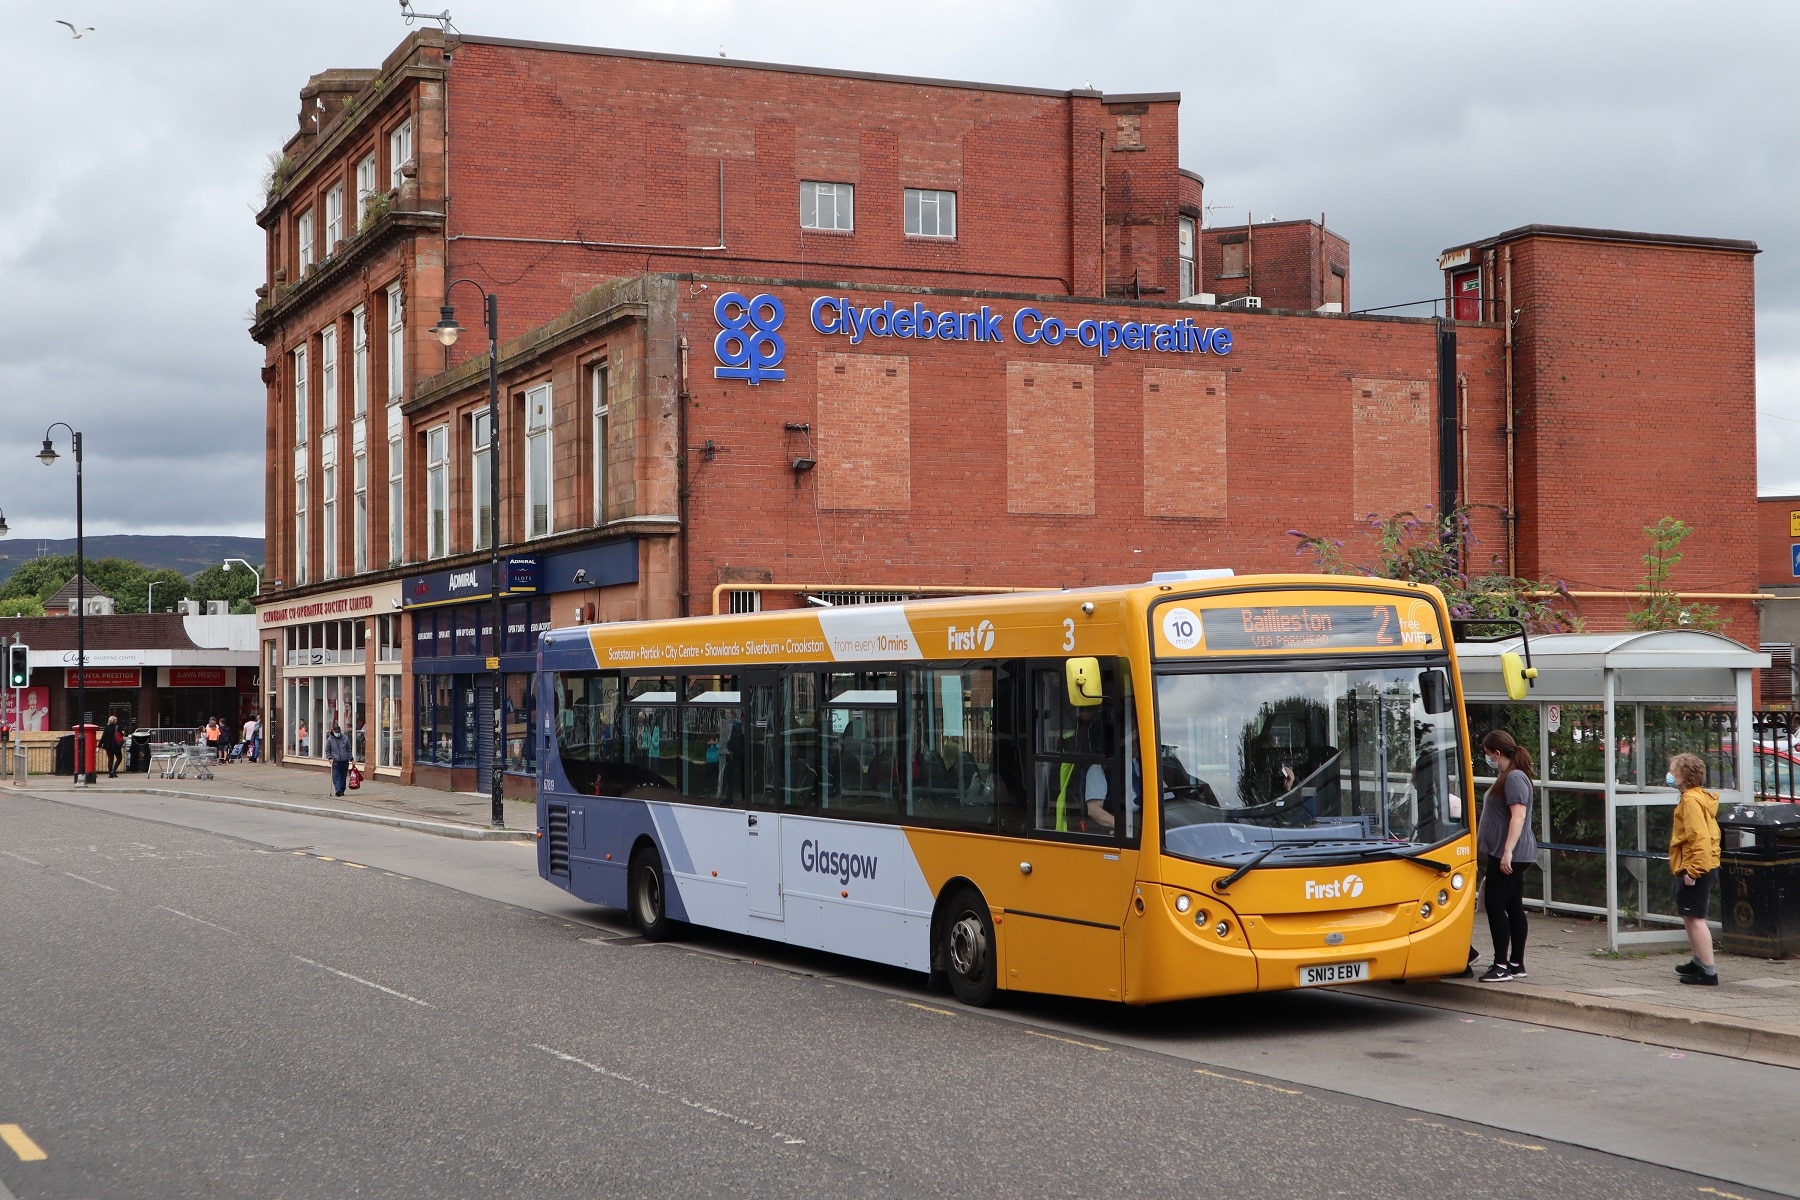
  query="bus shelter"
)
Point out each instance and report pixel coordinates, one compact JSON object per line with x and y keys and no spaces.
{"x":1606,"y":712}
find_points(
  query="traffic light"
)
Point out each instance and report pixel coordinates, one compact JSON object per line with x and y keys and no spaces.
{"x":18,"y":669}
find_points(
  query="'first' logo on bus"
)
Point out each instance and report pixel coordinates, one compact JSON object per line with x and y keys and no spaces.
{"x":749,"y":346}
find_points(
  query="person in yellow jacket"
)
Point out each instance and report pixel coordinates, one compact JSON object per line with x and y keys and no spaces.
{"x":1694,"y":858}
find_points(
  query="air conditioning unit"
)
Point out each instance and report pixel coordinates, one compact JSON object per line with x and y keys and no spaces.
{"x":218,"y":608}
{"x":93,"y":606}
{"x":188,"y":608}
{"x":1244,"y":302}
{"x":1200,"y":298}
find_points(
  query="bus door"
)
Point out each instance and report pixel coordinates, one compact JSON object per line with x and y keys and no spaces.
{"x":1066,"y":906}
{"x":762,"y":767}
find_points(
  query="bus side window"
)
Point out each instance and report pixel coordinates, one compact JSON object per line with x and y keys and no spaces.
{"x":652,"y":742}
{"x":800,"y":740}
{"x":950,"y":755}
{"x":1012,"y":746}
{"x":1078,"y":787}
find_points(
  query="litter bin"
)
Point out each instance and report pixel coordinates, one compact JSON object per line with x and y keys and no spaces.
{"x":139,"y":753}
{"x":65,"y":755}
{"x":1759,"y":876}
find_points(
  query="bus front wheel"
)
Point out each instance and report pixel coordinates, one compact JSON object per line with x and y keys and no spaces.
{"x":967,"y":948}
{"x":649,"y":895}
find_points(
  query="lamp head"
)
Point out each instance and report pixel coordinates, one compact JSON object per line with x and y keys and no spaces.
{"x":227,"y":565}
{"x":4,"y":528}
{"x":48,"y":454}
{"x":447,"y":328}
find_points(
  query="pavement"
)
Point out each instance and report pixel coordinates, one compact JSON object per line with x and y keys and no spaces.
{"x":1574,"y":984}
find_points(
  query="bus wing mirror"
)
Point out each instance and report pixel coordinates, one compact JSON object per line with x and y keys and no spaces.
{"x":1434,"y":690}
{"x":1519,"y":677}
{"x":1084,"y":682}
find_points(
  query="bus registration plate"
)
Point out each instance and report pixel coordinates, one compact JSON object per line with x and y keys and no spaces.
{"x":1328,"y":973}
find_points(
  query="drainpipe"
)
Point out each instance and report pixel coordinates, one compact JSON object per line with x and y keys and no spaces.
{"x":1512,"y":493}
{"x":1103,"y":214}
{"x":681,"y":463}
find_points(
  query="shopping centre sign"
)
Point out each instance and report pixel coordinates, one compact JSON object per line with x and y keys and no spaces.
{"x":750,"y":347}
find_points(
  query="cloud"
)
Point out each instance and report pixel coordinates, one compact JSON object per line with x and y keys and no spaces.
{"x":129,"y":257}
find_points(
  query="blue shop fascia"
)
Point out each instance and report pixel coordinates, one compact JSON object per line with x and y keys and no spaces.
{"x":451,"y":630}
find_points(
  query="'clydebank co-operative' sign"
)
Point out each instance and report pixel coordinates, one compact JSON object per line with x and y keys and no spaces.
{"x":750,"y":346}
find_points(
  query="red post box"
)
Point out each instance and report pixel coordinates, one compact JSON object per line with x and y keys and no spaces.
{"x":86,"y":737}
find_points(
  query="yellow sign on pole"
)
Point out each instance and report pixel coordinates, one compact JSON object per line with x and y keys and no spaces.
{"x":493,"y":664}
{"x":1794,"y":522}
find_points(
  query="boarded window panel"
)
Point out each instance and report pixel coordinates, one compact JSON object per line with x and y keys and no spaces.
{"x":865,"y":432}
{"x":1049,"y":438}
{"x":1231,"y":259}
{"x":1184,"y":443}
{"x":1393,"y":451}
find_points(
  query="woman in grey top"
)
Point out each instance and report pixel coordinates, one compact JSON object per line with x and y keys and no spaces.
{"x":1508,"y":849}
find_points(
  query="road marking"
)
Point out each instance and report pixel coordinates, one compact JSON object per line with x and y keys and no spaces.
{"x":699,"y":1105}
{"x":1728,"y":1195}
{"x":358,"y":866}
{"x":34,"y":862}
{"x":1071,"y":1041}
{"x":195,"y":919}
{"x":1248,"y":1082}
{"x":85,"y":879}
{"x":21,"y":1145}
{"x":1483,"y":1137}
{"x":942,"y":1012}
{"x":365,"y":982}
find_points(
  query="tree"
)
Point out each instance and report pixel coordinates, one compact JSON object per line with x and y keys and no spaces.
{"x":1436,"y":550}
{"x":216,"y":583}
{"x":21,"y":606}
{"x":1663,"y":608}
{"x":40,"y":578}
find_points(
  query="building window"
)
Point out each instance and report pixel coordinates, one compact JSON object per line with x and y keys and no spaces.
{"x":302,"y":398}
{"x":437,"y":492}
{"x":930,"y":213}
{"x":359,"y":361}
{"x":827,"y":205}
{"x":1185,"y":246}
{"x":1232,"y":259}
{"x":365,"y":188}
{"x":396,"y":344}
{"x":396,"y":503}
{"x":328,"y":377}
{"x":300,"y":529}
{"x":538,"y":517}
{"x":334,"y":218}
{"x":306,"y":240}
{"x":1334,"y":287}
{"x":399,"y":151}
{"x":390,"y":740}
{"x":600,"y":381}
{"x":328,"y":480}
{"x":745,"y":602}
{"x":481,"y":462}
{"x":359,"y":515}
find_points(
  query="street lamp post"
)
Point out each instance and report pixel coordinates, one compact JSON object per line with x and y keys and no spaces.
{"x":446,"y":330}
{"x":253,"y":571}
{"x":84,"y":764}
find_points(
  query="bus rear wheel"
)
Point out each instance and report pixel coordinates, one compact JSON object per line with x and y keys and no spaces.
{"x":647,"y":892}
{"x":966,"y":948}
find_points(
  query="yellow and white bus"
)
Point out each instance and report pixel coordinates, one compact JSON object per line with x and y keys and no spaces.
{"x":1201,"y":785}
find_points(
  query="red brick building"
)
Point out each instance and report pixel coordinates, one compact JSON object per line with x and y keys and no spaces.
{"x":780,"y":325}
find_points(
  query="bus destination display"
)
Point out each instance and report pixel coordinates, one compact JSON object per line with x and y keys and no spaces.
{"x":1302,"y":627}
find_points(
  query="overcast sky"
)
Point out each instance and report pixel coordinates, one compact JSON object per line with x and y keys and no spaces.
{"x":130,"y":168}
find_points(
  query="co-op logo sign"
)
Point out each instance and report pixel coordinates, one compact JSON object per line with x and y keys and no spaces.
{"x":981,"y":637}
{"x":750,"y":346}
{"x":1347,"y":888}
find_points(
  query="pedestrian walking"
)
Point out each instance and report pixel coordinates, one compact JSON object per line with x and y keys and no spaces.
{"x":1508,"y":849}
{"x":1694,"y":859}
{"x":112,"y":741}
{"x":337,"y":749}
{"x":250,"y":731}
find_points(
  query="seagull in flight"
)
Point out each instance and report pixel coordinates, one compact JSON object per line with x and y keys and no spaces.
{"x":74,"y":31}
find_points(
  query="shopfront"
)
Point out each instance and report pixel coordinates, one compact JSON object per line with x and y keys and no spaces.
{"x":339,"y":660}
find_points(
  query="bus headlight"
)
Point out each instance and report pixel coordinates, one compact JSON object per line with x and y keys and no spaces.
{"x":1456,"y":881}
{"x":1425,"y":910}
{"x":1200,"y":917}
{"x":1223,"y":929}
{"x":1182,"y":904}
{"x":1443,"y":898}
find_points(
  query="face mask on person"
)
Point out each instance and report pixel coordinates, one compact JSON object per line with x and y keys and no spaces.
{"x":1493,"y":763}
{"x":1670,"y":779}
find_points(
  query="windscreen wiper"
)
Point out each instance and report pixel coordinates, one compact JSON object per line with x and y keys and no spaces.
{"x":1380,"y":852}
{"x":1225,"y":881}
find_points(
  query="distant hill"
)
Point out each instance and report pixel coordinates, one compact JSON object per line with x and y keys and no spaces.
{"x":186,"y":554}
